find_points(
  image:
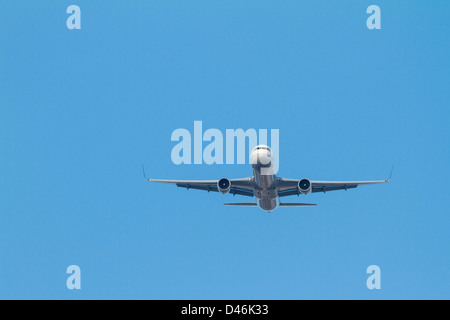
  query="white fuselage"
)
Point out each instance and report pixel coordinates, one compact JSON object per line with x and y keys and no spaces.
{"x":264,"y":179}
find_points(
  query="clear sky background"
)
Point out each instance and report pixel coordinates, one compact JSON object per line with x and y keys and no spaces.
{"x":82,"y":110}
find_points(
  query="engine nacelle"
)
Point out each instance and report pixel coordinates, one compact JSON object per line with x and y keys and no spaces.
{"x":304,"y":186}
{"x":224,"y":185}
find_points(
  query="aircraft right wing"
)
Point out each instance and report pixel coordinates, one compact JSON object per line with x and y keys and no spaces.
{"x":241,"y":186}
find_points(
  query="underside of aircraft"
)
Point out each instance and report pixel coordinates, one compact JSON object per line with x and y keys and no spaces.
{"x":265,"y":186}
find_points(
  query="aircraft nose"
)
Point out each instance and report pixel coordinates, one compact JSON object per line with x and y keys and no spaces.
{"x":261,"y":157}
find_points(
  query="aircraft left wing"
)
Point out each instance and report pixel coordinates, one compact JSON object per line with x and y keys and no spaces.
{"x":243,"y":186}
{"x":287,"y":187}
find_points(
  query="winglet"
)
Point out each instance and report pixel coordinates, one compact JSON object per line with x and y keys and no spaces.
{"x":390,"y":176}
{"x":143,"y":172}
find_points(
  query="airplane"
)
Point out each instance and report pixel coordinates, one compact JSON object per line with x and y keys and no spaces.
{"x":265,"y":186}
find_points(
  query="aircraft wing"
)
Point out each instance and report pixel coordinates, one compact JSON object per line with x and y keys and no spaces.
{"x":287,"y":187}
{"x":241,"y":186}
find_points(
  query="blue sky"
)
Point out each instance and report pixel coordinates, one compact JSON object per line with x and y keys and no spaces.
{"x":81,"y":110}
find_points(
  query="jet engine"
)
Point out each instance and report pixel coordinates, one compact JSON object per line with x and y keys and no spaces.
{"x":304,"y":186}
{"x":224,"y":185}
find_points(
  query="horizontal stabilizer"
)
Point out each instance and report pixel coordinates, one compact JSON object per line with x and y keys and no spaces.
{"x":241,"y":204}
{"x":287,"y":204}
